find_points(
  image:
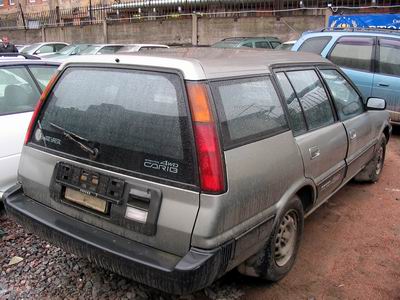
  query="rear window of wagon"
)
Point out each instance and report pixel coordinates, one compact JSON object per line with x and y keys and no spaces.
{"x":137,"y":119}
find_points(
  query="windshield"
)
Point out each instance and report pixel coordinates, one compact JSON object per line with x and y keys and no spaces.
{"x":68,"y":50}
{"x":90,"y":50}
{"x":30,"y":48}
{"x":226,"y":44}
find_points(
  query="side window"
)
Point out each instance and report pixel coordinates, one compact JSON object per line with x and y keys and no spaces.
{"x":262,"y":44}
{"x":295,"y":112}
{"x":347,"y":101}
{"x":353,"y":53}
{"x":248,"y":108}
{"x":42,"y":74}
{"x":45,"y":49}
{"x":389,"y":57}
{"x":18,"y":92}
{"x":315,"y":44}
{"x":313,"y":98}
{"x":248,"y":45}
{"x":275,"y":44}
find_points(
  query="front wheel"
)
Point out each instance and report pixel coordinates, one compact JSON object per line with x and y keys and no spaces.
{"x":276,"y":259}
{"x":373,"y":169}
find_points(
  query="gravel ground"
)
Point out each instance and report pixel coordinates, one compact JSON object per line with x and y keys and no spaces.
{"x":350,"y":250}
{"x":49,"y":272}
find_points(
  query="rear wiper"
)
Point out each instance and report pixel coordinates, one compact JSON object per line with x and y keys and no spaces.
{"x":74,"y":138}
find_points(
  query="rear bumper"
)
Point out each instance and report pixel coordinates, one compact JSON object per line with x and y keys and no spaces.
{"x":196,"y":270}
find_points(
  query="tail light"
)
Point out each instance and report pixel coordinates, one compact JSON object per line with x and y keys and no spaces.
{"x":38,"y":107}
{"x":212,"y":177}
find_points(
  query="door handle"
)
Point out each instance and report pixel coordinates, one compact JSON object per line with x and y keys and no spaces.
{"x":314,"y":152}
{"x":383,"y":84}
{"x":352,"y":134}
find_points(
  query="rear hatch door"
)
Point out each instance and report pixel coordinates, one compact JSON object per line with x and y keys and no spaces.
{"x":113,"y":147}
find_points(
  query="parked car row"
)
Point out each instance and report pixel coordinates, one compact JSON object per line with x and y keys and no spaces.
{"x":176,"y":166}
{"x":60,"y":51}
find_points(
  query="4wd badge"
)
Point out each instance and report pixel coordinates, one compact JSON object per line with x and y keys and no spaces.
{"x":165,"y":165}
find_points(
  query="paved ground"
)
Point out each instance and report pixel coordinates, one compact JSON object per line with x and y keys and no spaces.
{"x":350,"y":250}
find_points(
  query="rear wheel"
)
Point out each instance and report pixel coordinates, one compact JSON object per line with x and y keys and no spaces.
{"x":276,"y":259}
{"x":373,"y":169}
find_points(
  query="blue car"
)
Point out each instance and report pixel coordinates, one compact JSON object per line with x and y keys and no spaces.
{"x":371,"y":58}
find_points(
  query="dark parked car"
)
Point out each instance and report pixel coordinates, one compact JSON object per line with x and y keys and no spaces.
{"x":248,"y":42}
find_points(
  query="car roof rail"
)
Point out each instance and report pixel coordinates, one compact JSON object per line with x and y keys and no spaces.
{"x":14,"y":54}
{"x":360,"y":29}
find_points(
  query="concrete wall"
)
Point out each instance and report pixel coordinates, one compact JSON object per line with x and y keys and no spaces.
{"x":75,"y":34}
{"x":178,"y":31}
{"x":287,"y":28}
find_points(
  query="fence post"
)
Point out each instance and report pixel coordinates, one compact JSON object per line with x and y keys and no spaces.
{"x":105,"y":31}
{"x":194,"y":30}
{"x":43,"y":34}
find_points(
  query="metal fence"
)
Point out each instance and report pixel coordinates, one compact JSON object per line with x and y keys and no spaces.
{"x":147,"y":9}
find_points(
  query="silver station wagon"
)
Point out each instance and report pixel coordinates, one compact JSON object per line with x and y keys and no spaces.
{"x":174,"y":167}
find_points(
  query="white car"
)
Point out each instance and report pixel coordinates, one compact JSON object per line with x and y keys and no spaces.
{"x":141,"y":47}
{"x":43,"y":48}
{"x":21,"y":83}
{"x":95,"y":49}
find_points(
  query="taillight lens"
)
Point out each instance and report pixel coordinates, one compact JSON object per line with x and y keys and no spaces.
{"x":38,"y":107}
{"x":212,"y":177}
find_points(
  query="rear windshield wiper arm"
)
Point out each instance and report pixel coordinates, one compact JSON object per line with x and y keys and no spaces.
{"x":74,"y":138}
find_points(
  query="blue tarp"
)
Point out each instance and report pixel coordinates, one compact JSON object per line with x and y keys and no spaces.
{"x":386,"y":21}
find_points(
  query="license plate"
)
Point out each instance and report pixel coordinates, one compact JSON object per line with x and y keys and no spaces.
{"x":88,"y":201}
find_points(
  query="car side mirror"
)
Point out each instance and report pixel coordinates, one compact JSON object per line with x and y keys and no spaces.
{"x":37,"y":52}
{"x":376,"y":103}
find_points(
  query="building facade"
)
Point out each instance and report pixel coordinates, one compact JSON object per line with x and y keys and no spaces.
{"x":36,"y":6}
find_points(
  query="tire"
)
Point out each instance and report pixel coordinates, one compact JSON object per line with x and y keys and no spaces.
{"x":2,"y":209}
{"x":270,"y":263}
{"x":373,"y":170}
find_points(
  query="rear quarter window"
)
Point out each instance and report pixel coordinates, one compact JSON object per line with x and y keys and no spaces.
{"x":315,"y":44}
{"x":42,"y":74}
{"x":18,"y":91}
{"x":354,"y":53}
{"x":138,"y":120}
{"x":248,"y":109}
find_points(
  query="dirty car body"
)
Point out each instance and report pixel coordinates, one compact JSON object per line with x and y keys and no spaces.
{"x":178,"y":166}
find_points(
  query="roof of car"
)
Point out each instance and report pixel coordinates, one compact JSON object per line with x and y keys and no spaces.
{"x":353,"y":31}
{"x":230,"y":39}
{"x":48,"y":43}
{"x":206,"y":63}
{"x":103,"y":45}
{"x":22,"y":61}
{"x":147,"y":45}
